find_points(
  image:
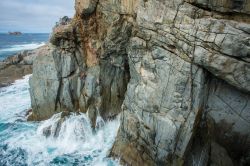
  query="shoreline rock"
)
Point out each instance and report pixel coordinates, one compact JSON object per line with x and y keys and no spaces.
{"x":16,"y":66}
{"x":177,"y":72}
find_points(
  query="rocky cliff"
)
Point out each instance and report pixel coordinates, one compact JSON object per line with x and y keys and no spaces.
{"x":178,"y":72}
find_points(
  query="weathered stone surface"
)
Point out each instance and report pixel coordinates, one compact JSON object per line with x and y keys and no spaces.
{"x":85,"y":7}
{"x":228,"y":118}
{"x":174,"y":69}
{"x":45,"y":77}
{"x":55,"y":83}
{"x":225,"y":6}
{"x":88,"y":74}
{"x":167,"y":91}
{"x":161,"y":119}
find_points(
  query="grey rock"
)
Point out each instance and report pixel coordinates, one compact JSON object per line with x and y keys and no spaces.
{"x":172,"y":69}
{"x":228,"y":118}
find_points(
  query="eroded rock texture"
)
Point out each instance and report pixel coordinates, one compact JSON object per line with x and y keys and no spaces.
{"x":86,"y":69}
{"x":174,"y":47}
{"x":177,"y":70}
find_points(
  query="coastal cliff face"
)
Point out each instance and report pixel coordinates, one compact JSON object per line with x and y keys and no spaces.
{"x":177,"y":71}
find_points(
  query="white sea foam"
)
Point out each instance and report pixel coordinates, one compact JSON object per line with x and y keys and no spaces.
{"x":75,"y":143}
{"x":21,"y":47}
{"x":14,"y":99}
{"x":75,"y":139}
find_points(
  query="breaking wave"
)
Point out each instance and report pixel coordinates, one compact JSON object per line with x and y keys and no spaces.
{"x":57,"y":141}
{"x":21,"y":47}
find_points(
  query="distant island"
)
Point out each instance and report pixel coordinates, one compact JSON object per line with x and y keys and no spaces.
{"x":14,"y":33}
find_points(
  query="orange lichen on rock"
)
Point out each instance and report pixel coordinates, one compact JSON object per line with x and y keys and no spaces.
{"x":91,"y":57}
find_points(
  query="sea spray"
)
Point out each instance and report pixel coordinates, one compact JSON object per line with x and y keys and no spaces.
{"x":15,"y":100}
{"x":71,"y":140}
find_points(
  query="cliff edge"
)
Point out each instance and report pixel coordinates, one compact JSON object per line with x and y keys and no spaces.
{"x":177,"y":71}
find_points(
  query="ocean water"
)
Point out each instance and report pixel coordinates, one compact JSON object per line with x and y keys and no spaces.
{"x":11,"y":44}
{"x":23,"y":143}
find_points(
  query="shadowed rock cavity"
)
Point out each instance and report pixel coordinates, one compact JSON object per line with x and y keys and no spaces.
{"x":178,"y":71}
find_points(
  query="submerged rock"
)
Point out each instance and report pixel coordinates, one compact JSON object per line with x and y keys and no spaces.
{"x":173,"y":69}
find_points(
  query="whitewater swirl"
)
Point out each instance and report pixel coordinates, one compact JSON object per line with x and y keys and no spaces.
{"x":70,"y":141}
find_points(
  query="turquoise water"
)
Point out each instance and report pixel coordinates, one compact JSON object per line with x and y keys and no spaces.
{"x":24,"y":143}
{"x":11,"y":44}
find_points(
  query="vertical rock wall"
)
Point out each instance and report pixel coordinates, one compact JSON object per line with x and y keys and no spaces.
{"x":177,"y":70}
{"x":86,"y":69}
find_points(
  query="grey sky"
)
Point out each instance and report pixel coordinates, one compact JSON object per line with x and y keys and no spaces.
{"x":33,"y":15}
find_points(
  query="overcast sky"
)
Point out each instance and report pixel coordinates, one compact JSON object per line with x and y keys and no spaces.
{"x":33,"y":15}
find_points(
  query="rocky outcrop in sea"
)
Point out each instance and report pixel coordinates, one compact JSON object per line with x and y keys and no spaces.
{"x":18,"y":65}
{"x":178,"y":72}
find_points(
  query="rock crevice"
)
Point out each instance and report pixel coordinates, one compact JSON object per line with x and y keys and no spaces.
{"x":177,"y":72}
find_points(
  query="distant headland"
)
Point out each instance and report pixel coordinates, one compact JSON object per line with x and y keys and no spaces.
{"x":15,"y":33}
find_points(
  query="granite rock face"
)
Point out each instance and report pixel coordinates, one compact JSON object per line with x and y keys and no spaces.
{"x":177,"y":71}
{"x":176,"y":52}
{"x":82,"y":72}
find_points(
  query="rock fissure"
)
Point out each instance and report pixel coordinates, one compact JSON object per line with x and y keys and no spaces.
{"x":162,"y":65}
